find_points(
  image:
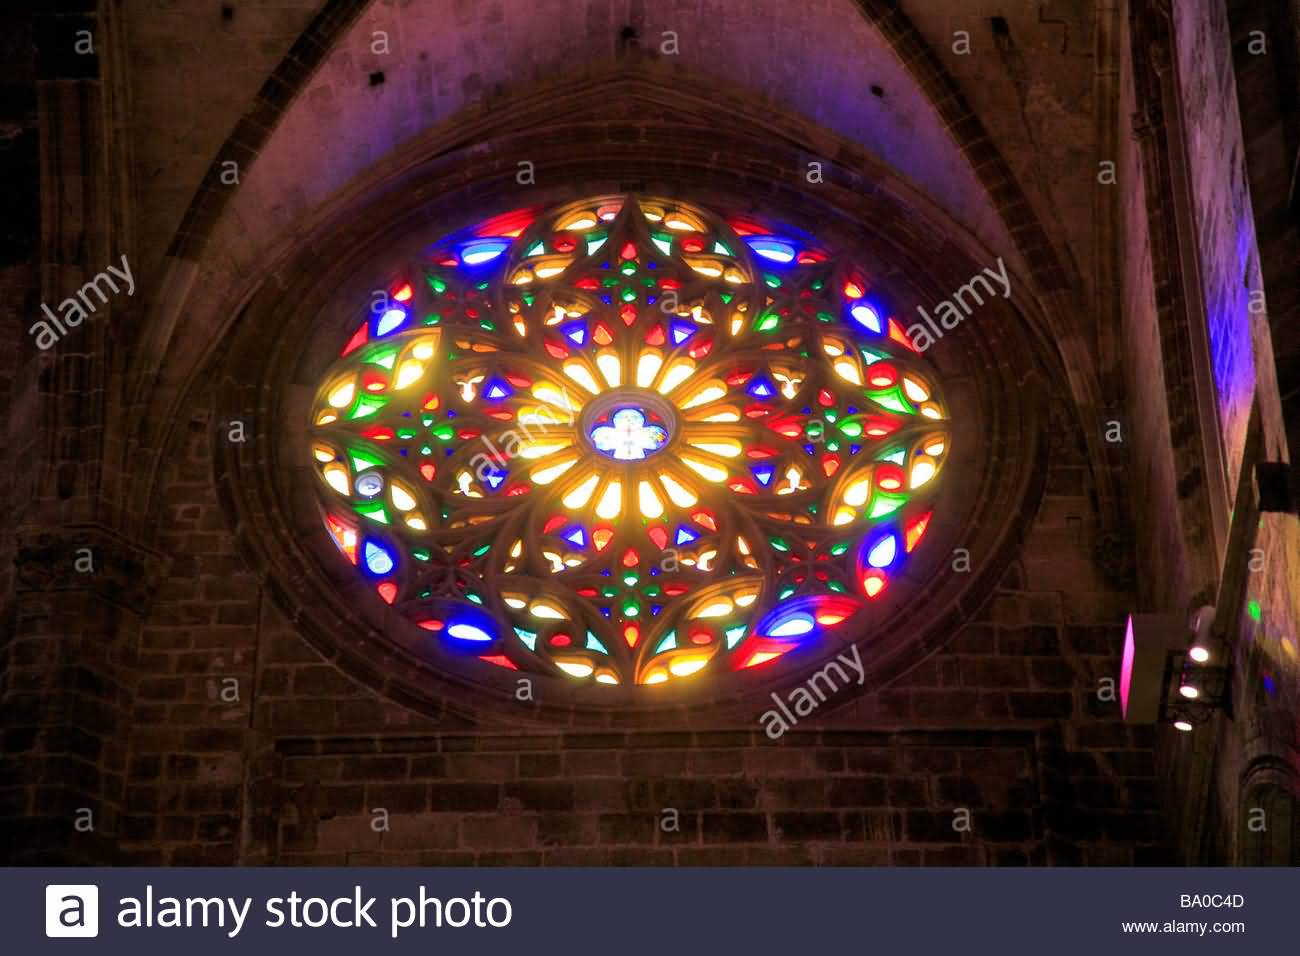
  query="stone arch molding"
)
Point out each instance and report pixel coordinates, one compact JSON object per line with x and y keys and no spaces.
{"x":994,"y":373}
{"x":316,"y":125}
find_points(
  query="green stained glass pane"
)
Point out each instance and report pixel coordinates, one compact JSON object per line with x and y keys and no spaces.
{"x":629,"y":295}
{"x":444,"y":433}
{"x":726,"y":297}
{"x":609,"y":592}
{"x":629,"y":579}
{"x":433,"y":318}
{"x":767,"y":322}
{"x":772,"y":281}
{"x":528,"y":298}
{"x":871,"y":357}
{"x":779,"y":544}
{"x":536,"y":249}
{"x":892,"y":400}
{"x":665,"y":244}
{"x":595,"y":242}
{"x":734,"y":634}
{"x":840,"y":548}
{"x":487,"y":325}
{"x":361,"y":461}
{"x":720,"y":247}
{"x":631,"y":609}
{"x":818,"y":284}
{"x":851,"y":428}
{"x":474,"y":597}
{"x":628,"y":268}
{"x":885,"y":504}
{"x":652,"y":591}
{"x":813,"y":431}
{"x":437,"y":285}
{"x":785,"y":593}
{"x":366,"y":406}
{"x":426,"y":449}
{"x":835,"y":586}
{"x":483,"y":550}
{"x":406,"y":434}
{"x":528,"y":637}
{"x":384,"y":357}
{"x":668,"y":643}
{"x":825,"y":317}
{"x":897,"y":456}
{"x":374,"y":511}
{"x":421,"y":554}
{"x":609,"y":282}
{"x":832,"y":445}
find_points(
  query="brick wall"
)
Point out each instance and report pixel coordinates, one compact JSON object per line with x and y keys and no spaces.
{"x":248,"y":745}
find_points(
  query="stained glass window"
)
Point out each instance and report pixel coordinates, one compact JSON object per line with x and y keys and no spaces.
{"x":628,"y":441}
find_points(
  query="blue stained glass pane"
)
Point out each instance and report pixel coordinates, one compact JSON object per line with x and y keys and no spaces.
{"x":682,"y":330}
{"x":668,"y":643}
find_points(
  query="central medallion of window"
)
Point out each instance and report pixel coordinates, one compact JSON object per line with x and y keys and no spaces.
{"x":628,"y":427}
{"x":625,"y":441}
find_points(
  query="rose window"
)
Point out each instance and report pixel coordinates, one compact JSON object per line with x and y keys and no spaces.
{"x":628,"y":441}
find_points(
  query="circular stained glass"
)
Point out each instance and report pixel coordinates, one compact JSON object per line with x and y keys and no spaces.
{"x":628,"y":441}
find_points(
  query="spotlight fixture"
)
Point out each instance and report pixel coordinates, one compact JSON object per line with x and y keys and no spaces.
{"x":1165,"y":677}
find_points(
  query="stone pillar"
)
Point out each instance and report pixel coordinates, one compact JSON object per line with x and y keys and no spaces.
{"x":79,"y":586}
{"x":66,"y":687}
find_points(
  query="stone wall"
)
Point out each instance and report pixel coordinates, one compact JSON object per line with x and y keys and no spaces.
{"x":248,"y":746}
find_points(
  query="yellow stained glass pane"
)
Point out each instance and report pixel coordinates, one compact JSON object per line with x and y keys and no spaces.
{"x":548,"y":393}
{"x":336,"y":476}
{"x":847,"y":369}
{"x":922,"y":471}
{"x":718,"y":607}
{"x":611,"y":501}
{"x":915,"y":390}
{"x":579,"y":373}
{"x":677,"y":373}
{"x":648,"y":501}
{"x":727,"y":448}
{"x":647,"y":367}
{"x":856,"y":493}
{"x":611,"y":368}
{"x":575,"y":668}
{"x":547,"y":474}
{"x":403,"y":500}
{"x":710,"y":393}
{"x":342,"y":394}
{"x":680,"y":495}
{"x":685,"y":665}
{"x":580,"y":495}
{"x":540,"y":449}
{"x":408,"y":373}
{"x":707,"y":471}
